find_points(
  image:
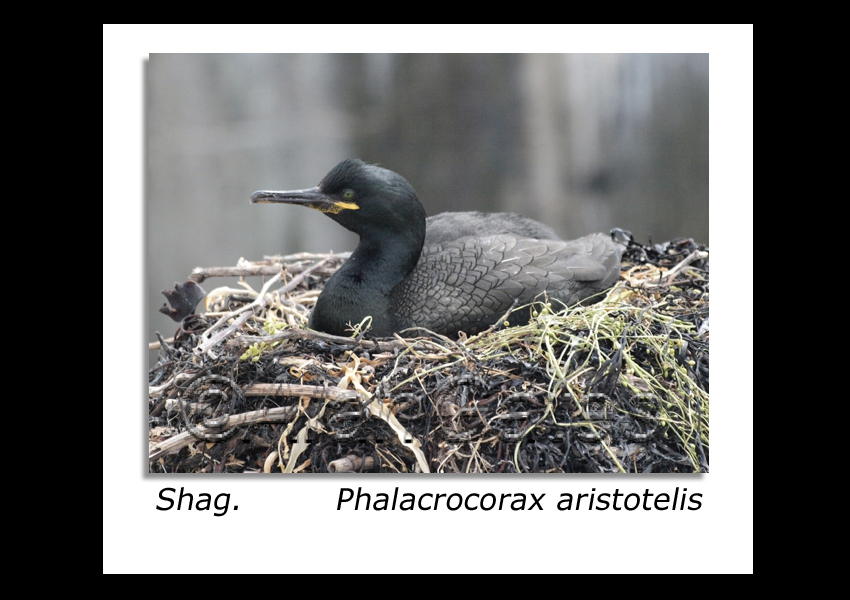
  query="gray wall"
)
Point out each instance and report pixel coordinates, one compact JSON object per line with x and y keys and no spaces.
{"x":582,"y":142}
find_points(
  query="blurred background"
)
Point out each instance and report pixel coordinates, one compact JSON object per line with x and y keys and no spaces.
{"x":582,"y":142}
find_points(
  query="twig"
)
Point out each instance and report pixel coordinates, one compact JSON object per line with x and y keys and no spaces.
{"x":289,"y":334}
{"x":199,"y":274}
{"x":181,"y":440}
{"x":258,"y":416}
{"x":294,"y":389}
{"x":668,"y":277}
{"x":208,"y":340}
{"x":207,"y":337}
{"x":351,"y":463}
{"x":270,"y":266}
{"x":300,"y":277}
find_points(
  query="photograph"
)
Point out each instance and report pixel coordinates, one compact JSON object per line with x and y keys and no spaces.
{"x":506,"y":268}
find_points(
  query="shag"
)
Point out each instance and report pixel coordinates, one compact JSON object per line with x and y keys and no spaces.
{"x":457,"y":271}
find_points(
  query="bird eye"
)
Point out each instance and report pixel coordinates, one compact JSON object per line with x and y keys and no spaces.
{"x":348,"y":194}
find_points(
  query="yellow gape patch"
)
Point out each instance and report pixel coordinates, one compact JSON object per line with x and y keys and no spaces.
{"x":336,"y":207}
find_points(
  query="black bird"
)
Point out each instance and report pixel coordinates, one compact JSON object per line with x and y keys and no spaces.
{"x":458,"y":271}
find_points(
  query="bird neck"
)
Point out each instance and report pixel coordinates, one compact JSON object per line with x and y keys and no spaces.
{"x":362,"y":285}
{"x":383,"y":259}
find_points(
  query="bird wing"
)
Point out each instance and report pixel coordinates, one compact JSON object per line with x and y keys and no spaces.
{"x":452,"y":226}
{"x":467,"y":284}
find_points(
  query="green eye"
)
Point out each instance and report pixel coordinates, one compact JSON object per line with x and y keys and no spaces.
{"x":348,"y":194}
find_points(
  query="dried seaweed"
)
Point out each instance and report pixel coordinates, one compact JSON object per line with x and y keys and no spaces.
{"x":617,"y":386}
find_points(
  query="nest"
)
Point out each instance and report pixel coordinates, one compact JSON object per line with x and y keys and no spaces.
{"x":620,"y":385}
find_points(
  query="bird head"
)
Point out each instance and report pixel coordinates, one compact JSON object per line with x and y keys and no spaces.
{"x":366,"y":199}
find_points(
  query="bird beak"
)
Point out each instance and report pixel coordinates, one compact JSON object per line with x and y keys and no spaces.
{"x":312,"y":198}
